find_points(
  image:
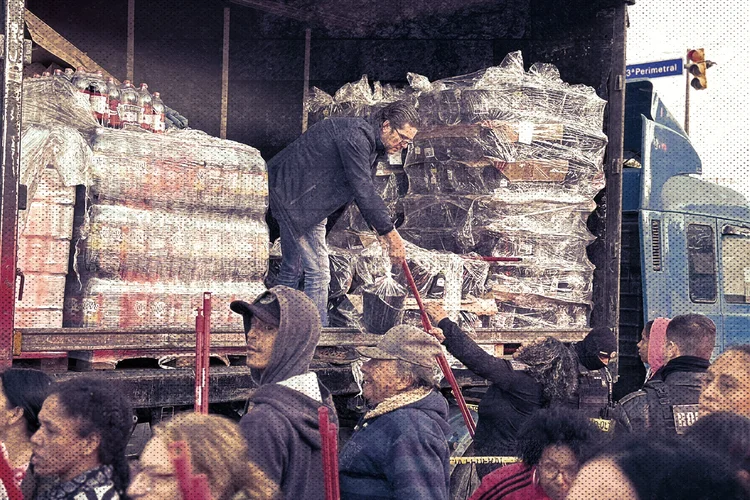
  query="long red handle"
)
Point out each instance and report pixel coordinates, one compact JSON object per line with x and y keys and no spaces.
{"x":206,"y":349}
{"x":199,"y":323}
{"x":329,"y":450}
{"x":191,"y":487}
{"x":442,"y":362}
{"x":202,"y":358}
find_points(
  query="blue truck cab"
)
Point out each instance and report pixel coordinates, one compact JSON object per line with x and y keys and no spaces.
{"x":685,"y":241}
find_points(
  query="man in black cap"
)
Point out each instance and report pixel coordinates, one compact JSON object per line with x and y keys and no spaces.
{"x":281,"y":426}
{"x":668,"y":403}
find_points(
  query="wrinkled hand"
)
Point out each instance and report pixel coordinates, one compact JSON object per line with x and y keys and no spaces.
{"x":435,"y":311}
{"x":438,"y":334}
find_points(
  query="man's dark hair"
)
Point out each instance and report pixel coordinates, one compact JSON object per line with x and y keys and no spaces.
{"x":102,"y":409}
{"x":694,"y":334}
{"x":670,"y":469}
{"x":557,"y":427}
{"x":399,"y":114}
{"x":725,"y":434}
{"x":26,"y":389}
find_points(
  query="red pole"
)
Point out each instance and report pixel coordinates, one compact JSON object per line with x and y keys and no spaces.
{"x":191,"y":487}
{"x":329,"y":452}
{"x":198,"y":361}
{"x":206,"y":344}
{"x":442,"y":362}
{"x":7,"y":477}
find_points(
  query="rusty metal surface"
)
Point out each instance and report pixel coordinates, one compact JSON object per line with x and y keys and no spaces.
{"x":91,"y":339}
{"x":9,"y":169}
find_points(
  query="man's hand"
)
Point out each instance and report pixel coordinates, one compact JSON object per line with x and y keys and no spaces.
{"x":396,"y":249}
{"x":435,"y":311}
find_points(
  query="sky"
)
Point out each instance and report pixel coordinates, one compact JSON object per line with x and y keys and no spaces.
{"x":720,"y":114}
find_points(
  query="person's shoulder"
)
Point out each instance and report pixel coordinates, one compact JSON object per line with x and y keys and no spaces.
{"x":634,"y":398}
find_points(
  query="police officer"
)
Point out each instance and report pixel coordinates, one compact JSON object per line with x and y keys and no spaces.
{"x":668,"y":403}
{"x":594,"y":352}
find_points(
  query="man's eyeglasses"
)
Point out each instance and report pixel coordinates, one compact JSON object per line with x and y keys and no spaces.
{"x":404,"y":138}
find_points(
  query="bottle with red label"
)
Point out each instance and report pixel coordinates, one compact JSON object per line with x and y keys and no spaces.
{"x":128,"y":106}
{"x":98,"y":98}
{"x":158,"y":120}
{"x":113,"y":103}
{"x":146,"y":107}
{"x":81,"y":81}
{"x":68,"y":73}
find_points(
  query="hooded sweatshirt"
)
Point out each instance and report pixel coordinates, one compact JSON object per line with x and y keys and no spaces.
{"x":281,"y":426}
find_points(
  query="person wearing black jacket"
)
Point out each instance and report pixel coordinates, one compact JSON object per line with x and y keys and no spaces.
{"x":668,"y":403}
{"x":323,"y":170}
{"x":546,"y":374}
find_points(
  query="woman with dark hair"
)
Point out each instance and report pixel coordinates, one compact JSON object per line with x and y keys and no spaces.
{"x":23,"y":392}
{"x":546,"y":375}
{"x":647,"y":467}
{"x":552,"y":445}
{"x":84,"y":428}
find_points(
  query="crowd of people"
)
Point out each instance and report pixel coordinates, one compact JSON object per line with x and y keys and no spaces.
{"x":685,"y":434}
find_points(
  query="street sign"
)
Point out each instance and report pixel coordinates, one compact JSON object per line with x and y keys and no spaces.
{"x":655,"y":69}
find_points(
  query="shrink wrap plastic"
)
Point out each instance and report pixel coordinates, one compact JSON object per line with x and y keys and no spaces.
{"x":55,"y":102}
{"x":154,"y":245}
{"x":164,"y":218}
{"x":182,"y":170}
{"x":506,"y":163}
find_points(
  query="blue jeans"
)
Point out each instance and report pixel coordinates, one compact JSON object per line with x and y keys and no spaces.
{"x":308,"y":254}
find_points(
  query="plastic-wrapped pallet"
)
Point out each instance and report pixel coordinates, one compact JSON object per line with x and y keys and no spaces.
{"x":507,"y":163}
{"x":54,"y":160}
{"x":157,"y":245}
{"x":183,"y":171}
{"x":164,"y":217}
{"x":139,"y":304}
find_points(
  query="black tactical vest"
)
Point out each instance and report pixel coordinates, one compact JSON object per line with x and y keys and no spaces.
{"x":594,"y":392}
{"x":673,"y":406}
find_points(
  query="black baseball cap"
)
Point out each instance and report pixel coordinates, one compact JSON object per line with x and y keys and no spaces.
{"x":265,"y":307}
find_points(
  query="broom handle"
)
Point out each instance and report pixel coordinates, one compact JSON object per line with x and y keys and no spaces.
{"x":442,"y":362}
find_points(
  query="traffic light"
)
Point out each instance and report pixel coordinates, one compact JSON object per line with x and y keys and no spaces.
{"x":696,"y":62}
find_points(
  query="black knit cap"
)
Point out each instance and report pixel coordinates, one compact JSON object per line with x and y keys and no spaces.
{"x":600,"y":342}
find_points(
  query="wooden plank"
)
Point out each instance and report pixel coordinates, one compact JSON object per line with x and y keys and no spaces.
{"x":130,"y":61}
{"x":54,"y":43}
{"x":225,"y":76}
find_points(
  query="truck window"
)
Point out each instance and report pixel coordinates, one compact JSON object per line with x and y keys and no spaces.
{"x":735,"y":264}
{"x":701,"y":262}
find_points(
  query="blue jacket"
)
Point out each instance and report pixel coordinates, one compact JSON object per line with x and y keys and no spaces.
{"x":403,"y":454}
{"x":324,"y":169}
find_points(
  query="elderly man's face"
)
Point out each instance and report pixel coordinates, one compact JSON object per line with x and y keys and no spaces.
{"x":727,"y":385}
{"x":381,"y":380}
